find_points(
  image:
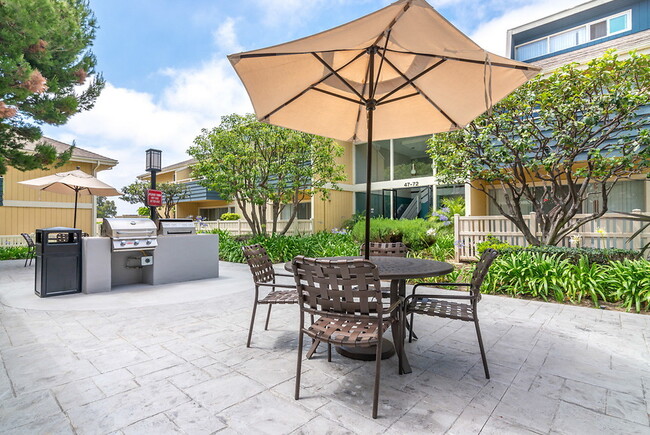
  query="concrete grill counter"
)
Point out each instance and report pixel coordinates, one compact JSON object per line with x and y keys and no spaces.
{"x":175,"y":258}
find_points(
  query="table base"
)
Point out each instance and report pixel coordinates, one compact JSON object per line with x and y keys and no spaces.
{"x":367,"y":353}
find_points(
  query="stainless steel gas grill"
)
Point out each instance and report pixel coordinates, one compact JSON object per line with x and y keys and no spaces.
{"x":130,"y":234}
{"x":170,"y":227}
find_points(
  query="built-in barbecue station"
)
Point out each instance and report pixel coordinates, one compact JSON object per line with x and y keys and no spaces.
{"x":137,"y":250}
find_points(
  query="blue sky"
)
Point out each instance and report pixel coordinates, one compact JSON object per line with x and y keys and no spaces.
{"x":168,"y":77}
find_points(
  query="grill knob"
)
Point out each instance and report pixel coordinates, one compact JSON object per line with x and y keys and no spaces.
{"x":122,"y":243}
{"x":148,"y":242}
{"x":136,"y":243}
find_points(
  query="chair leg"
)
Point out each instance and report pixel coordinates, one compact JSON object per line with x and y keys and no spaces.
{"x":298,"y":366}
{"x":268,"y":316}
{"x":480,"y":345}
{"x":26,"y":259}
{"x":375,"y":399}
{"x":411,"y":329}
{"x":329,"y":352}
{"x":250,"y":330}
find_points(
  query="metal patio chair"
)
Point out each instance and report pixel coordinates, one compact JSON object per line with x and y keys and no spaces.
{"x":439,"y":305}
{"x":377,"y":249}
{"x":346,"y":298}
{"x":264,"y":276}
{"x":31,"y":248}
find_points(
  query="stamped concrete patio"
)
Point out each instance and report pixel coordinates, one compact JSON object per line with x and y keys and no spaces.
{"x":172,"y":359}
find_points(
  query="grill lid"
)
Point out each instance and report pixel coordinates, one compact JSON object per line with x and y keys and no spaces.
{"x":130,"y":234}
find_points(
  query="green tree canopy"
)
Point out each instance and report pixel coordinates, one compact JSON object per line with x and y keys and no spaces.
{"x":45,"y":58}
{"x":105,"y":207}
{"x":554,"y":141}
{"x":258,"y":164}
{"x":136,"y":193}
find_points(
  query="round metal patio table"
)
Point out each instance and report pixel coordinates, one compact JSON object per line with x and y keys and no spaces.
{"x":397,"y":270}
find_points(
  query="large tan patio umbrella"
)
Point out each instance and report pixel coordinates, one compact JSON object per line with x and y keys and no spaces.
{"x":77,"y":182}
{"x":401,"y":71}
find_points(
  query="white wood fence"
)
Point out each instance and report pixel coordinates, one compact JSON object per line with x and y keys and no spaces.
{"x":239,"y":227}
{"x":6,"y":241}
{"x":607,"y":232}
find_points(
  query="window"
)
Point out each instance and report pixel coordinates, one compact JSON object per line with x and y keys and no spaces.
{"x":573,"y":37}
{"x":409,"y":159}
{"x":304,"y":211}
{"x":214,"y":214}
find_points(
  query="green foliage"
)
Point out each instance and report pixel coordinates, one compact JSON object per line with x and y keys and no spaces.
{"x":283,"y":248}
{"x":257,"y":164}
{"x":45,"y":57}
{"x":549,"y":276}
{"x":629,"y":282}
{"x":573,"y":255}
{"x":230,"y":217}
{"x":530,"y":145}
{"x":105,"y":207}
{"x":417,"y":234}
{"x":349,"y":223}
{"x":13,"y":252}
{"x":136,"y":193}
{"x":143,"y":211}
{"x":442,"y":249}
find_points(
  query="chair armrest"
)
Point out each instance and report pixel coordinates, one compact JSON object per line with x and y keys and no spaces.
{"x":408,"y":299}
{"x":395,"y":305}
{"x":270,"y":284}
{"x":283,"y":274}
{"x":439,"y":284}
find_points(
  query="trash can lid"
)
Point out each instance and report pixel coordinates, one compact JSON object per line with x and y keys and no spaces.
{"x":62,"y":229}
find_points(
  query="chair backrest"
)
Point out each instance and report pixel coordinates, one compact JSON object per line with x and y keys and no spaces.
{"x":259,"y":263}
{"x":481,"y":270}
{"x":28,"y":239}
{"x":397,"y":249}
{"x":350,"y":287}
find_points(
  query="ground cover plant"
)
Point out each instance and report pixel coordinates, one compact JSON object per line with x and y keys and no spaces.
{"x":13,"y":252}
{"x":416,"y":234}
{"x":529,"y":273}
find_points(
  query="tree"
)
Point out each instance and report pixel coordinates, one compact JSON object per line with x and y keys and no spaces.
{"x":555,"y":141}
{"x":258,"y":164}
{"x":45,"y":58}
{"x":105,"y":207}
{"x":136,"y":193}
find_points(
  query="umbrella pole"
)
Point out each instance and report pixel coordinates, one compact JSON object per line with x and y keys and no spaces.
{"x":370,"y":108}
{"x":76,"y":198}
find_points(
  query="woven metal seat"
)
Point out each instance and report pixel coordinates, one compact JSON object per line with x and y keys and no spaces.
{"x":441,"y":305}
{"x":264,"y":276}
{"x":347,"y":332}
{"x":345,"y":296}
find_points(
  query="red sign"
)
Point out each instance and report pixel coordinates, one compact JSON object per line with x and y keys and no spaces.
{"x":154,"y":198}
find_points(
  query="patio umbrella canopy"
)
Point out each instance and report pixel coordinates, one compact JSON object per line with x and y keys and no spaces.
{"x":401,"y":71}
{"x":72,"y":182}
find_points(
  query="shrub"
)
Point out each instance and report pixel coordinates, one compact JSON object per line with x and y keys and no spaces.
{"x":283,"y":248}
{"x":13,"y":252}
{"x":441,"y":250}
{"x":230,"y":217}
{"x":593,"y":255}
{"x":417,"y":234}
{"x":628,"y":281}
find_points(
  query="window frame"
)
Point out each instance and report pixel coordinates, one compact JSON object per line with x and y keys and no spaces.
{"x":587,"y":27}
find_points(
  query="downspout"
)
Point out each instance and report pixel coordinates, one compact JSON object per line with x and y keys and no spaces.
{"x":93,"y":214}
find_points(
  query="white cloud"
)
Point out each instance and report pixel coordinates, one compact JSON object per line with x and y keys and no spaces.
{"x":491,"y":35}
{"x":225,"y":37}
{"x":125,"y":122}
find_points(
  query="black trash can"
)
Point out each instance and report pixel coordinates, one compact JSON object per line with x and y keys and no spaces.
{"x":58,"y":261}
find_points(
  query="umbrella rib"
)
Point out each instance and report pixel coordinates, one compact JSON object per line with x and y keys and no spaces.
{"x":460,"y":59}
{"x":442,"y":112}
{"x":348,"y":85}
{"x":399,"y":98}
{"x":310,"y":87}
{"x":352,"y":100}
{"x":408,"y":81}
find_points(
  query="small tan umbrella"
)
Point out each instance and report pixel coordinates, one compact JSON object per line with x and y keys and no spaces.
{"x":77,"y":182}
{"x":399,"y":72}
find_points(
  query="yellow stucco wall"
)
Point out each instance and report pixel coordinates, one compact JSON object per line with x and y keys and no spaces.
{"x":331,"y":212}
{"x":478,"y":202}
{"x":26,"y":209}
{"x":185,"y":209}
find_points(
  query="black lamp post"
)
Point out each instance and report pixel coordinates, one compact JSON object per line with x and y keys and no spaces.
{"x":153,"y":165}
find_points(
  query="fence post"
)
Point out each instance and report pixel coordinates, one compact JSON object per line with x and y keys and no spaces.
{"x":532,"y":225}
{"x":457,"y":238}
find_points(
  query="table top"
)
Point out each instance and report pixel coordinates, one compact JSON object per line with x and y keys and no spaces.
{"x":400,"y":267}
